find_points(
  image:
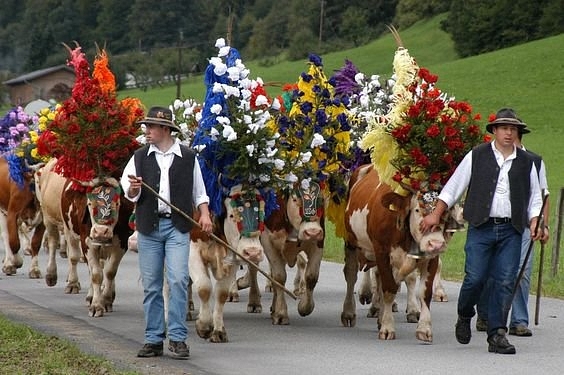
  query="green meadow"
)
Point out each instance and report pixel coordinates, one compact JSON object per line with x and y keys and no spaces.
{"x":528,"y":78}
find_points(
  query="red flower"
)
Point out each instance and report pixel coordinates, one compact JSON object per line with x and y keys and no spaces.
{"x":433,"y":131}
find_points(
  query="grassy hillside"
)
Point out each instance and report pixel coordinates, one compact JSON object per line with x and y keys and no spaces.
{"x":527,"y":77}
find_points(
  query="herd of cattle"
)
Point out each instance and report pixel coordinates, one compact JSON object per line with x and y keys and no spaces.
{"x":382,"y":229}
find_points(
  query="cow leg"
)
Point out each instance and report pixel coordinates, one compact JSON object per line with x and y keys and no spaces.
{"x":73,"y":256}
{"x":439,"y":294}
{"x":365,"y":288}
{"x":201,"y":283}
{"x":389,"y":287}
{"x":306,"y":303}
{"x":412,"y":312}
{"x":372,"y":278}
{"x":94,"y":298}
{"x":279,"y":308}
{"x":52,"y":240}
{"x":35,"y":245}
{"x":348,"y":315}
{"x":428,"y":270}
{"x":254,"y":305}
{"x":110,"y":268}
{"x":222,"y":287}
{"x":12,"y":260}
{"x":241,"y":283}
{"x":299,"y":279}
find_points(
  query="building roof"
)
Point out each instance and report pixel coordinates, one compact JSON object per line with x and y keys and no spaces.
{"x":37,"y":74}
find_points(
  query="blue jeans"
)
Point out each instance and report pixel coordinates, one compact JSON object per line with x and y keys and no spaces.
{"x":519,"y":307}
{"x":164,"y":248}
{"x":492,"y":252}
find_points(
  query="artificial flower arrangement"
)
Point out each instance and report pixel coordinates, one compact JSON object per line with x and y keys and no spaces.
{"x":315,"y":139}
{"x":421,"y":140}
{"x":234,"y":142}
{"x":93,"y":133}
{"x":366,"y":98}
{"x":15,"y":127}
{"x":186,"y":114}
{"x":27,"y":149}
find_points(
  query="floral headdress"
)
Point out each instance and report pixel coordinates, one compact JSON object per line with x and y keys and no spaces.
{"x":367,"y":98}
{"x":425,"y":135}
{"x":315,"y":139}
{"x":233,"y":140}
{"x":18,"y":135}
{"x":93,"y":133}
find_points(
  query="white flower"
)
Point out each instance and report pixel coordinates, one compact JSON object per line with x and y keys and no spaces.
{"x":264,"y":178}
{"x":279,"y":164}
{"x":216,"y":109}
{"x":233,"y":73}
{"x":199,"y":116}
{"x":220,"y":43}
{"x":291,"y":178}
{"x":229,"y":133}
{"x":224,"y":51}
{"x":306,"y":156}
{"x":317,"y":140}
{"x":261,"y":100}
{"x":305,"y":183}
{"x":219,"y":69}
{"x":177,"y":104}
{"x":217,"y":87}
{"x":359,"y":78}
{"x":250,"y":149}
{"x":276,"y":104}
{"x":223,"y":120}
{"x":214,"y":132}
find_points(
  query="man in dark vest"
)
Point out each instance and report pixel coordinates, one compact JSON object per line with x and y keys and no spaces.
{"x":171,"y":169}
{"x":519,"y":322}
{"x":502,"y":198}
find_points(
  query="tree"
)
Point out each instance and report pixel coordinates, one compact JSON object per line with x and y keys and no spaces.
{"x":354,"y":26}
{"x":552,"y":19}
{"x":111,"y":29}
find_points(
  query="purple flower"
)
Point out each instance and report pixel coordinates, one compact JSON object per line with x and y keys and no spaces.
{"x":345,"y":83}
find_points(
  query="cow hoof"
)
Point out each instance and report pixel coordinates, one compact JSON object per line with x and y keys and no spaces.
{"x":305,"y":307}
{"x":372,"y":312}
{"x":233,"y":297}
{"x":51,"y":280}
{"x":34,"y":274}
{"x":191,"y":316}
{"x":204,"y":331}
{"x":424,"y":335}
{"x":9,"y":270}
{"x":280,"y":320}
{"x":387,"y":335}
{"x":412,"y":317}
{"x":72,"y":289}
{"x":63,"y":254}
{"x":219,"y":336}
{"x":395,"y":307}
{"x":254,"y":309}
{"x":348,"y":320}
{"x":96,"y":312}
{"x":365,"y":299}
{"x":440,"y":297}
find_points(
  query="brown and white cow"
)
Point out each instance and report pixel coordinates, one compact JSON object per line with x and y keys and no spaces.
{"x":382,"y":227}
{"x":19,"y":208}
{"x":240,"y":227}
{"x":297,"y":227}
{"x":94,"y":224}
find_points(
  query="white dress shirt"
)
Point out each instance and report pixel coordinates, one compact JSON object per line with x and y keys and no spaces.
{"x":501,"y":204}
{"x":164,"y":160}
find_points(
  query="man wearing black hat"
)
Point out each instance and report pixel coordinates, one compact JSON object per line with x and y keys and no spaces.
{"x":502,"y":198}
{"x":519,"y":321}
{"x":172,"y":170}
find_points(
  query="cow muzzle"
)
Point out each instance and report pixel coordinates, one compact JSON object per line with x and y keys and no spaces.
{"x":101,"y":234}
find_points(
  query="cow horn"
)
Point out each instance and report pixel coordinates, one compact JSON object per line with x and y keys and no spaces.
{"x":33,"y":167}
{"x":407,"y":187}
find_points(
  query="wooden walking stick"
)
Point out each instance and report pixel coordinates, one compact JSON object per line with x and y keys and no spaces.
{"x":216,"y":238}
{"x":539,"y":284}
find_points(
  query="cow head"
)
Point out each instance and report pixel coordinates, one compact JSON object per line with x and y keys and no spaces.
{"x":103,"y":200}
{"x":414,"y":208}
{"x":244,"y":222}
{"x":305,"y":209}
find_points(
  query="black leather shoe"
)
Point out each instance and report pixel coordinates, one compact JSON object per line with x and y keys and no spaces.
{"x":178,"y":349}
{"x":498,"y":343}
{"x":462,"y":330}
{"x":151,"y":350}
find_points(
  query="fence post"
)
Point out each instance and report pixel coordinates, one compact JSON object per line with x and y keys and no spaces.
{"x":557,"y":230}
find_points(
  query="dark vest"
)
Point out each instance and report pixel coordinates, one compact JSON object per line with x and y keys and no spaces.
{"x":181,"y":182}
{"x":483,"y":182}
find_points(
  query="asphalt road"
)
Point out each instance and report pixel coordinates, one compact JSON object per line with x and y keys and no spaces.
{"x":317,"y":344}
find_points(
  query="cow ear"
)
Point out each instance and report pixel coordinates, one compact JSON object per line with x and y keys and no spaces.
{"x":393,"y":202}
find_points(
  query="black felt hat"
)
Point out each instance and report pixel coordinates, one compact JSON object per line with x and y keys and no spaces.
{"x":507,"y":116}
{"x":159,"y":116}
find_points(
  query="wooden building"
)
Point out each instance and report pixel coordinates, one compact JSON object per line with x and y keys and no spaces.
{"x":53,"y":83}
